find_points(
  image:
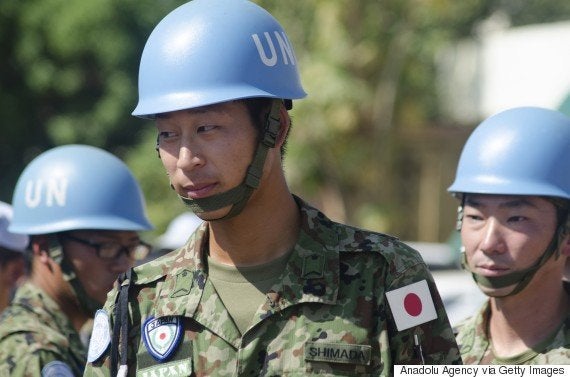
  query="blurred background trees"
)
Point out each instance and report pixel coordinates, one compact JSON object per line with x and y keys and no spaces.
{"x":368,"y":142}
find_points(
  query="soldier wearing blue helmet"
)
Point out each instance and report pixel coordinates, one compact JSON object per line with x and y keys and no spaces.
{"x":82,"y":209}
{"x":513,"y":180}
{"x":12,"y":260}
{"x":267,"y":285}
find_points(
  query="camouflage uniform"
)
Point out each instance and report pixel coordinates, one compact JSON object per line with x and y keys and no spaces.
{"x":330,"y":298}
{"x":476,"y":348}
{"x":34,"y":332}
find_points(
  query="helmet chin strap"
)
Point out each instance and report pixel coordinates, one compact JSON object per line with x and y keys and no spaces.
{"x":522,"y":277}
{"x":238,"y":196}
{"x":87,"y":304}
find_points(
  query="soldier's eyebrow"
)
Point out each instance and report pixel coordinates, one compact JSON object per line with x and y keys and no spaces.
{"x":216,"y":107}
{"x":516,"y":202}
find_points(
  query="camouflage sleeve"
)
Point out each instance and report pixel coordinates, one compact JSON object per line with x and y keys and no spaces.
{"x":18,"y":361}
{"x":431,"y":342}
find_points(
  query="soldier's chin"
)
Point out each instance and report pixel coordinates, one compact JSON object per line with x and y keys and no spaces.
{"x":217,"y":214}
{"x":497,"y":292}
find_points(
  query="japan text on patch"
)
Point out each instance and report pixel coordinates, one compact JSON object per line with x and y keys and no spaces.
{"x":411,"y":305}
{"x":100,"y":336}
{"x":162,"y":336}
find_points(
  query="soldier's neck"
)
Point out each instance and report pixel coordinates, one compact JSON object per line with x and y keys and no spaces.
{"x":49,"y":278}
{"x":519,"y":322}
{"x":260,"y":234}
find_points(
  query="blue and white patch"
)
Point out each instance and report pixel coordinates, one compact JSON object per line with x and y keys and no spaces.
{"x":57,"y":369}
{"x":100,"y":337}
{"x":162,"y":336}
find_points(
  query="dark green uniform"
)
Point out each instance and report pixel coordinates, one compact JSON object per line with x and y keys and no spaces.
{"x":327,"y":315}
{"x":34,"y":332}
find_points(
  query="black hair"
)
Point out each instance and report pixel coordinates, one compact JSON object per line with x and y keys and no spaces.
{"x":6,"y":255}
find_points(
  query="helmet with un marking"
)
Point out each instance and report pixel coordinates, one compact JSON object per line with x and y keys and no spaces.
{"x":77,"y":187}
{"x":520,"y":151}
{"x":211,"y":51}
{"x":8,"y":240}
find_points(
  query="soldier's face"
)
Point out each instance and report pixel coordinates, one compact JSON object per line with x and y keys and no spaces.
{"x":97,"y":274}
{"x":504,"y":234}
{"x":206,"y":151}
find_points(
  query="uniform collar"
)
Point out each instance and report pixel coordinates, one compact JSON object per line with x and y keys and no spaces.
{"x":311,"y":274}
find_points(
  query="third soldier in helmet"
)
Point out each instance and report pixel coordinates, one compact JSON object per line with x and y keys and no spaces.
{"x":513,"y":182}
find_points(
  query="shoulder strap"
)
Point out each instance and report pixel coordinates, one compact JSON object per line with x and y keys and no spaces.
{"x":121,"y":326}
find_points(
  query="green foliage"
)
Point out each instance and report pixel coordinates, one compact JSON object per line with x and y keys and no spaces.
{"x":68,"y":75}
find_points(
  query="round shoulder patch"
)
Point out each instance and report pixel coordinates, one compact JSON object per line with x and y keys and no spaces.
{"x":57,"y":369}
{"x":101,"y":336}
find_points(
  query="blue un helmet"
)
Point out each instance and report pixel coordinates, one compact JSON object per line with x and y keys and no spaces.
{"x":213,"y":51}
{"x":8,"y":240}
{"x":520,"y":151}
{"x":77,"y":187}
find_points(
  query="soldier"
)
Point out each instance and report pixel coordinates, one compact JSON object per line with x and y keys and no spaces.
{"x":513,"y":180}
{"x":12,"y":260}
{"x":267,"y":285}
{"x":82,"y":208}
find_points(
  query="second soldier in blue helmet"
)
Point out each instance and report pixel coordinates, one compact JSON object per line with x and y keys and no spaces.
{"x":83,"y":210}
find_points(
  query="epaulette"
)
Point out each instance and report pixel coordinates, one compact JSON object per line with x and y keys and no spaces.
{"x":396,"y":253}
{"x":158,"y":268}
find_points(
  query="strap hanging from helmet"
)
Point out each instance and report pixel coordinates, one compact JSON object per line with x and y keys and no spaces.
{"x":119,"y":340}
{"x":88,"y":304}
{"x":239,"y":195}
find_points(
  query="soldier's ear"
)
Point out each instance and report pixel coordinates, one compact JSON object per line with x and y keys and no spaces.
{"x":285,"y":124}
{"x":40,"y":246}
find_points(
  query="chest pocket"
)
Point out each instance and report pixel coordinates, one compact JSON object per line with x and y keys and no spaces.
{"x":179,"y":364}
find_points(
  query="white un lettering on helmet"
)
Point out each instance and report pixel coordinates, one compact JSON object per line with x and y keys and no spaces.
{"x":51,"y":192}
{"x":284,"y":47}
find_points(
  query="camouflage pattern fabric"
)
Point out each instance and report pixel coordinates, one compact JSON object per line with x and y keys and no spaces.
{"x":34,"y":332}
{"x":328,"y":315}
{"x":476,"y":348}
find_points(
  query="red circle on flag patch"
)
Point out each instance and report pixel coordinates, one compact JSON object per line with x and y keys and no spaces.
{"x":413,"y":304}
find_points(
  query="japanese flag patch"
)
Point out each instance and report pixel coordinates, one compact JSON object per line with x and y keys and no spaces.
{"x":162,"y":336}
{"x":411,"y":305}
{"x":100,"y":336}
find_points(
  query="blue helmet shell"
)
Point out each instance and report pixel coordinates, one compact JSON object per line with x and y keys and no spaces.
{"x":520,"y":151}
{"x":77,"y":187}
{"x":211,"y":51}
